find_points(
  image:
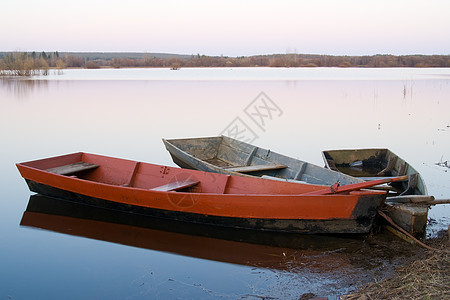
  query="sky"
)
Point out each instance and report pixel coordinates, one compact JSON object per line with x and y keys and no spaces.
{"x":229,"y":28}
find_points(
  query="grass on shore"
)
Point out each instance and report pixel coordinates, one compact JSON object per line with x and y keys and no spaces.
{"x":427,"y":277}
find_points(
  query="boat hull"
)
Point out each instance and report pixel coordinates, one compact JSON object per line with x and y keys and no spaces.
{"x":367,"y":205}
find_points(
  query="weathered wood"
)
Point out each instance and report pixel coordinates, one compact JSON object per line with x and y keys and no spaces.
{"x":404,"y":231}
{"x":283,"y":179}
{"x":374,"y":165}
{"x":254,"y":168}
{"x":237,"y":153}
{"x":72,"y":168}
{"x":250,"y":156}
{"x":398,"y":233}
{"x":369,"y":178}
{"x":403,"y":170}
{"x":418,"y":200}
{"x":410,"y":199}
{"x":331,"y":164}
{"x":176,"y":185}
{"x":412,"y":217}
{"x":440,"y":201}
{"x":300,"y":172}
{"x":232,"y":155}
{"x":390,"y":166}
{"x":412,"y":184}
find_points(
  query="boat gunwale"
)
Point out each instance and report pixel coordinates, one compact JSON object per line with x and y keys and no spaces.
{"x":69,"y":178}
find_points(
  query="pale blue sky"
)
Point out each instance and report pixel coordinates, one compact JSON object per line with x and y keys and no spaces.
{"x":232,"y":28}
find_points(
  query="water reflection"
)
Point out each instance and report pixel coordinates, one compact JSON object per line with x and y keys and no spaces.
{"x":403,"y":110}
{"x":287,"y":252}
{"x":22,"y":88}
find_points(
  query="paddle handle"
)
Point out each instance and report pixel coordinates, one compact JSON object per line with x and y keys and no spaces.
{"x":439,"y":201}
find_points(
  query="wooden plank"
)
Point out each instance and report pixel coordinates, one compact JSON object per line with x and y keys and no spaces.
{"x":254,"y":168}
{"x":133,"y":175}
{"x":300,"y":172}
{"x":250,"y":156}
{"x":370,"y":178}
{"x":72,"y":168}
{"x":399,"y":234}
{"x":176,"y":185}
{"x":387,"y":218}
{"x":412,"y":184}
{"x":222,"y":184}
{"x":283,"y":179}
{"x":403,"y":169}
{"x":390,"y":166}
{"x":410,"y":199}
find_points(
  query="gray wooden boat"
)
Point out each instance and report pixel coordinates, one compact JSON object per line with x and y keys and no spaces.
{"x":222,"y":154}
{"x":404,"y":206}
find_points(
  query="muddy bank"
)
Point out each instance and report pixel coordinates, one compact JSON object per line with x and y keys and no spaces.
{"x":424,"y":276}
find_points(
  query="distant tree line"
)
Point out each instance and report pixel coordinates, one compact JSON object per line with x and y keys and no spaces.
{"x":29,"y":64}
{"x":276,"y":60}
{"x":32,"y":63}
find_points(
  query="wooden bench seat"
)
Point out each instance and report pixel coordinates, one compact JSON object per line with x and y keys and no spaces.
{"x":283,"y":179}
{"x":72,"y":168}
{"x":176,"y":185}
{"x":369,"y":178}
{"x":254,"y":168}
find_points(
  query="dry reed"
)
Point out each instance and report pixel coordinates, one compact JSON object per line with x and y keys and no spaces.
{"x":426,"y":277}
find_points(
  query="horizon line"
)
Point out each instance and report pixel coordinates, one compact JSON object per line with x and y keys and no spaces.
{"x":221,"y":55}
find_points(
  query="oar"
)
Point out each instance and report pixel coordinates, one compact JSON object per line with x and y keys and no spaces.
{"x":335,"y":188}
{"x":440,"y":201}
{"x":410,"y":199}
{"x":417,"y":200}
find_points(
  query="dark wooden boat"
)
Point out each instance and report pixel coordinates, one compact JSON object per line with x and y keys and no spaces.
{"x":225,"y":155}
{"x":202,"y":197}
{"x":370,"y":164}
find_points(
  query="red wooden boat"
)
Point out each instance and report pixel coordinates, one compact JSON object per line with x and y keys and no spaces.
{"x":201,"y":197}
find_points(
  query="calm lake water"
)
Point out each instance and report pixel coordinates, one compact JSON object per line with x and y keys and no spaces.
{"x":54,"y":250}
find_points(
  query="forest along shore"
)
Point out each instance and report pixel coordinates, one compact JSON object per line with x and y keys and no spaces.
{"x":30,"y":63}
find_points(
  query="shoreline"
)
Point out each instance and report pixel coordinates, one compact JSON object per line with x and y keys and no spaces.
{"x":424,"y":276}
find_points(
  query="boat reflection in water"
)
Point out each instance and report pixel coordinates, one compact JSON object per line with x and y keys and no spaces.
{"x":244,"y":247}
